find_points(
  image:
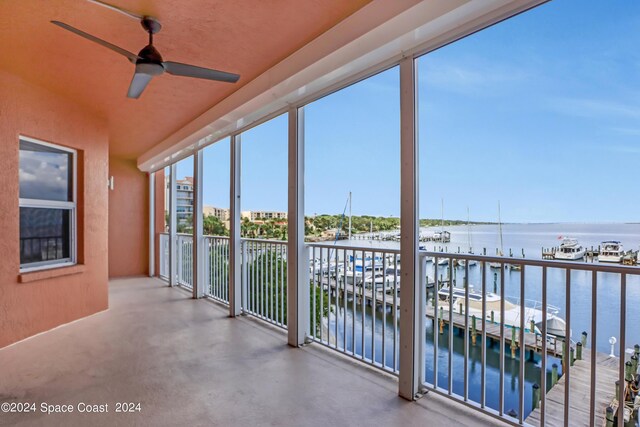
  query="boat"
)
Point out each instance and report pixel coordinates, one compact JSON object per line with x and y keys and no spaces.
{"x":570,"y":249}
{"x":611,"y":251}
{"x":555,"y":324}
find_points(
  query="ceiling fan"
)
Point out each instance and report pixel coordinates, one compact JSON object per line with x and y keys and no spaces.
{"x":148,"y":61}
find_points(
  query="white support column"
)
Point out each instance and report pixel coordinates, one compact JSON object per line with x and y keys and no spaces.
{"x":198,"y":239}
{"x":297,"y":257}
{"x":173,"y":224}
{"x":235,"y":256}
{"x":410,"y":334}
{"x":152,"y":224}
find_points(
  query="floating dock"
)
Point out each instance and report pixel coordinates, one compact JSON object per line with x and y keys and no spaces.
{"x":579,"y":392}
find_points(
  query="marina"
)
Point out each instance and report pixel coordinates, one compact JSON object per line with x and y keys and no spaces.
{"x":449,"y":273}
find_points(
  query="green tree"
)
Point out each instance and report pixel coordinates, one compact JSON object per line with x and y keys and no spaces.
{"x":213,"y":226}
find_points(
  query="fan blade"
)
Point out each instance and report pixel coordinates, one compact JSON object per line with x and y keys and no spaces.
{"x":131,"y":56}
{"x":179,"y":69}
{"x":138,"y":84}
{"x":117,"y":9}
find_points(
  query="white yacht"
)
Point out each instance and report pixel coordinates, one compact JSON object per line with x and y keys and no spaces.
{"x":611,"y":251}
{"x":555,"y":324}
{"x":570,"y":249}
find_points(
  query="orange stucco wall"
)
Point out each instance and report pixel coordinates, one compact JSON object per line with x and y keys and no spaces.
{"x":128,"y":219}
{"x":43,"y":302}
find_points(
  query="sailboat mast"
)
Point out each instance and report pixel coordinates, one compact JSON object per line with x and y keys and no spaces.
{"x":349,"y":215}
{"x":500,"y":228}
{"x":442,"y":214}
{"x":468,"y":231}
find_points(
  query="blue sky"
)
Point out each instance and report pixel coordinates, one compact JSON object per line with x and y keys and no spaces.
{"x":540,"y":112}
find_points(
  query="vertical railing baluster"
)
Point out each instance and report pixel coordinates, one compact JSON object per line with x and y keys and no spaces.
{"x":502,"y":296}
{"x":436,"y":325}
{"x":451,"y":308}
{"x":543,"y":358}
{"x":395,"y":312}
{"x":594,"y":318}
{"x":466,"y":330}
{"x":261,"y":272}
{"x":566,"y":369}
{"x":621,"y":361}
{"x":364,"y":304}
{"x":283,"y":281}
{"x":523,"y":347}
{"x":483,"y":355}
{"x":321,"y":278}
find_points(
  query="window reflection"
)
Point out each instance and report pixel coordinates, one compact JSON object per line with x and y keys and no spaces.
{"x":45,"y":172}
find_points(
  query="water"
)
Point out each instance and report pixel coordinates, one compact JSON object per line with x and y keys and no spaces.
{"x":350,"y":335}
{"x":530,"y":238}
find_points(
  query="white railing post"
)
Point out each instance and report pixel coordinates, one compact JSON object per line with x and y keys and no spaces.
{"x":297,"y":257}
{"x":244,"y":281}
{"x":172,"y":226}
{"x":235,"y":257}
{"x":198,"y":276}
{"x":411,"y":336}
{"x":152,"y":224}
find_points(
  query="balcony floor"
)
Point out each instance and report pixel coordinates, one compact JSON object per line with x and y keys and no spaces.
{"x":187,"y":363}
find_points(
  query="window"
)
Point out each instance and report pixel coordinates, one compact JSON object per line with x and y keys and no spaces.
{"x":47,"y":205}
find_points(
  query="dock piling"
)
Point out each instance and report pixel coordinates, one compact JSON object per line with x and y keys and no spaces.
{"x":554,"y":374}
{"x":609,"y":416}
{"x":536,"y":396}
{"x":583,"y":338}
{"x":579,"y":351}
{"x":572,"y":352}
{"x":473,"y":330}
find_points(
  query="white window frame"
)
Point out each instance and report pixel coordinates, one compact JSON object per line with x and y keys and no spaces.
{"x":71,"y":206}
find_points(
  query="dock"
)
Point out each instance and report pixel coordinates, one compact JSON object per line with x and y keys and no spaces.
{"x":579,"y":391}
{"x":580,"y":372}
{"x":533,"y":342}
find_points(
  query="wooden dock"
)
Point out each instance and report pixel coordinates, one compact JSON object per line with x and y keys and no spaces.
{"x":579,"y":392}
{"x":533,"y":342}
{"x":606,"y":375}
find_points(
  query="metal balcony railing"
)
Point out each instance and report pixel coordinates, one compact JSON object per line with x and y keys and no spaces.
{"x":524,"y":340}
{"x":512,"y":360}
{"x":264,"y":280}
{"x":354,"y":302}
{"x":184,"y":264}
{"x":216,"y":256}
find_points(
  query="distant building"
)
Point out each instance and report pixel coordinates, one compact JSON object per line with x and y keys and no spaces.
{"x":220,"y":213}
{"x":259,"y":215}
{"x":184,"y":200}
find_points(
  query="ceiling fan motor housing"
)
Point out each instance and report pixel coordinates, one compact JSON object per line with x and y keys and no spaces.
{"x":149,"y":61}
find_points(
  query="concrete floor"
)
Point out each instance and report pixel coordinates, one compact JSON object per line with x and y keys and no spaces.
{"x":187,"y":363}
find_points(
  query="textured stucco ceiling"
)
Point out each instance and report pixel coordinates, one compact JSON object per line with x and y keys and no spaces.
{"x":245,"y":37}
